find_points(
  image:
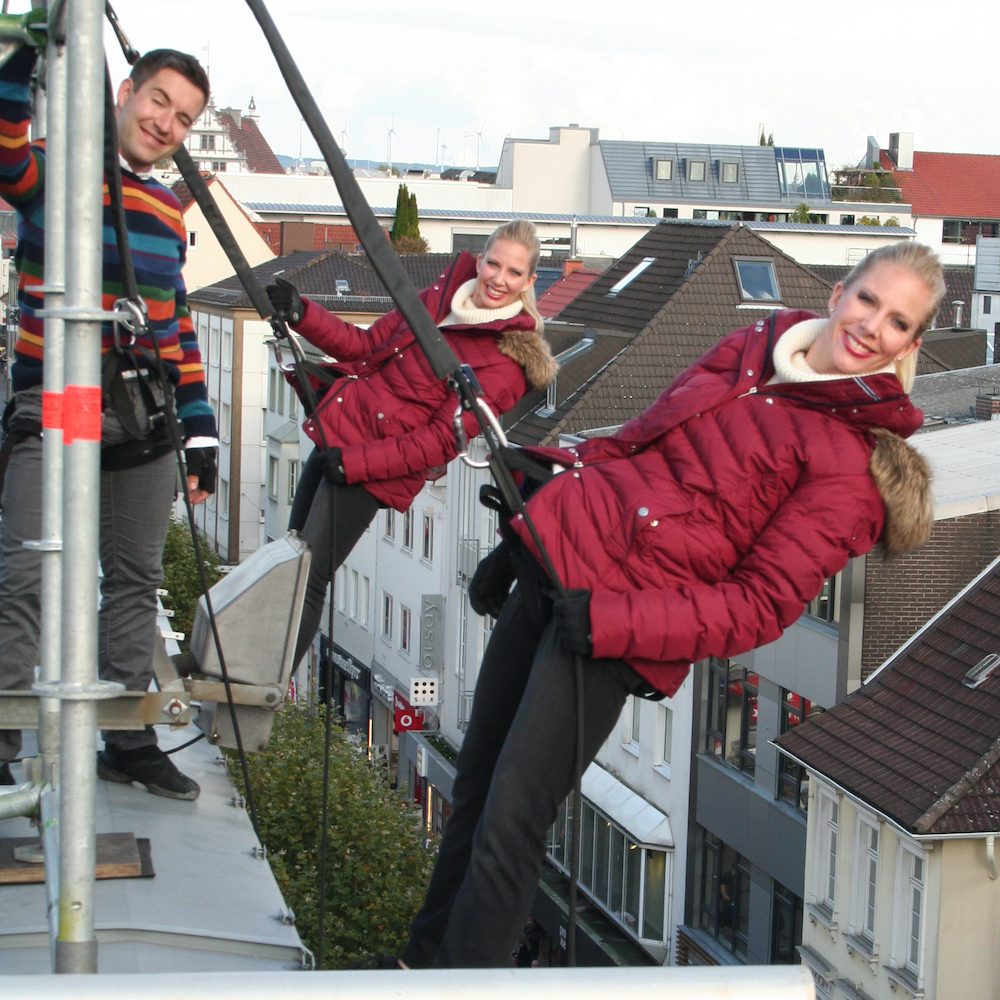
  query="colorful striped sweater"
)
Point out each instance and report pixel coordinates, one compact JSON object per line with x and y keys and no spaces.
{"x":157,"y":240}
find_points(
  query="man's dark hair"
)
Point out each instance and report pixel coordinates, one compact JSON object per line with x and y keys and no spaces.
{"x":156,"y":59}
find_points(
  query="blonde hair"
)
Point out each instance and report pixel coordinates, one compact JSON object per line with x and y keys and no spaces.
{"x":922,"y":262}
{"x":523,"y":232}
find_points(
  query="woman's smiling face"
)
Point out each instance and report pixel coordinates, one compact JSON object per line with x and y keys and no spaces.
{"x":503,"y":271}
{"x":874,"y":322}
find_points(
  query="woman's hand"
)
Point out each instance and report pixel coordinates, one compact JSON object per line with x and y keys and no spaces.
{"x":572,"y":615}
{"x":287,"y":302}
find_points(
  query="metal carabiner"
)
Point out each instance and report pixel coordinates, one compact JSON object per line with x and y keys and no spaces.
{"x":132,"y":315}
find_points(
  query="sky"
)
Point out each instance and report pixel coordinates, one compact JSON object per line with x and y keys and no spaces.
{"x":452,"y":80}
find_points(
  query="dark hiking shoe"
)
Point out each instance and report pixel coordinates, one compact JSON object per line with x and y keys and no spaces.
{"x":6,"y":776}
{"x":148,"y":766}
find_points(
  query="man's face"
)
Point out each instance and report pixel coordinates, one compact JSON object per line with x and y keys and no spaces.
{"x":154,"y":119}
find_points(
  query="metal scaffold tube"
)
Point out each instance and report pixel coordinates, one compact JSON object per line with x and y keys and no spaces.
{"x":76,"y":945}
{"x":54,"y":287}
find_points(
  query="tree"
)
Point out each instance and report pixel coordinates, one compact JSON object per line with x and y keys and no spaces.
{"x":405,"y":234}
{"x":869,"y":220}
{"x":181,"y":578}
{"x":378,"y":866}
{"x":801,"y":214}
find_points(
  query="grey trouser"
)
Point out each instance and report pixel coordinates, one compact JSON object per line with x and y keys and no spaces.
{"x":135,"y":512}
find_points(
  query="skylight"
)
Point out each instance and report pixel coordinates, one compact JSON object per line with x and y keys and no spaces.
{"x":982,"y":671}
{"x":630,"y":277}
{"x":757,"y":279}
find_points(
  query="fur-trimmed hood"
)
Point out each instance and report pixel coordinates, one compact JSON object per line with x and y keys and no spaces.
{"x":531,"y":351}
{"x":903,"y":478}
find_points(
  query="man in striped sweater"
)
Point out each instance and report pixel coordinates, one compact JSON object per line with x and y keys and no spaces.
{"x":156,"y":107}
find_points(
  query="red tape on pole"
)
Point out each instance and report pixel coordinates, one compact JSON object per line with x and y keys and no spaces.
{"x":82,"y":413}
{"x":52,"y":411}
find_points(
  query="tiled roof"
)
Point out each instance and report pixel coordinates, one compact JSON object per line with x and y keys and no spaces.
{"x":564,"y":291}
{"x":685,"y":315}
{"x":914,"y":743}
{"x":950,"y":185}
{"x":315,"y":274}
{"x":247,"y":138}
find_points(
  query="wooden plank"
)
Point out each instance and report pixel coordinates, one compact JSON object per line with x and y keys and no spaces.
{"x":118,"y":856}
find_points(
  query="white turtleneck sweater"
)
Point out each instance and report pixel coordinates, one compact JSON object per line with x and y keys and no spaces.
{"x":464,"y":311}
{"x":790,"y":363}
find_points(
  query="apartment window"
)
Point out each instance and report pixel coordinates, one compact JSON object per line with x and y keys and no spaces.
{"x":666,"y":744}
{"x":427,"y":539}
{"x":625,"y":879}
{"x":363,"y":601}
{"x":408,"y":530}
{"x":293,"y":478}
{"x":634,"y":722}
{"x":724,"y":891}
{"x":405,"y":619}
{"x":219,"y":166}
{"x":224,"y":499}
{"x":272,"y":477}
{"x":227,"y":349}
{"x":793,"y":778}
{"x":786,"y":926}
{"x":696,"y":170}
{"x":987,"y":304}
{"x":340,"y":588}
{"x":390,"y":525}
{"x":847,"y":220}
{"x":192,"y":239}
{"x":731,"y":735}
{"x":664,"y":170}
{"x":355,"y":593}
{"x":272,"y":389}
{"x":908,"y":923}
{"x":824,"y":606}
{"x":386,"y":624}
{"x":827,"y":830}
{"x":225,"y":421}
{"x":669,"y":213}
{"x":729,"y":172}
{"x":293,"y":404}
{"x":866,"y":884}
{"x":640,"y":211}
{"x":207,"y":140}
{"x":965,"y":231}
{"x":757,"y":279}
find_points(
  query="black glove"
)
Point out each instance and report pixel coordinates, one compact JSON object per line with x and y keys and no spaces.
{"x":490,"y":584}
{"x":333,"y":466}
{"x":572,"y":614}
{"x":287,"y":302}
{"x":202,"y":462}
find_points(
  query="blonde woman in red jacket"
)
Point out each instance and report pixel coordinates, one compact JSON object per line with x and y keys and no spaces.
{"x":701,"y":528}
{"x":384,"y":425}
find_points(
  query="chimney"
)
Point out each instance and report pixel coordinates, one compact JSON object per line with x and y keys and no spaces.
{"x":987,"y":406}
{"x":572,"y":237}
{"x":957,"y":306}
{"x":901,"y":149}
{"x":571,"y":265}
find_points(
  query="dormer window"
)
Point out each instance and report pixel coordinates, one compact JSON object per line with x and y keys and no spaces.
{"x":696,"y":170}
{"x":729,"y":172}
{"x":342,"y":286}
{"x":757,"y":279}
{"x":663,"y":170}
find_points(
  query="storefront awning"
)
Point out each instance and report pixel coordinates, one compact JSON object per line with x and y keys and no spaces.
{"x":643,"y":821}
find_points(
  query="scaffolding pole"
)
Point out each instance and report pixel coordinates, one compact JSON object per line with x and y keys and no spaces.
{"x":76,"y":944}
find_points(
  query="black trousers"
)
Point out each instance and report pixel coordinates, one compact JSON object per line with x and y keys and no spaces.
{"x":515,"y":768}
{"x":331,"y":518}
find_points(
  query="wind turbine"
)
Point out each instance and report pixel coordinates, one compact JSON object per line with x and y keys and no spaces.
{"x":479,"y":142}
{"x":388,"y":144}
{"x":343,"y":138}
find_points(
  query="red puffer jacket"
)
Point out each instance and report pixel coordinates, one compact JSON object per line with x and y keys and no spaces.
{"x":388,"y":413}
{"x":704,"y":525}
